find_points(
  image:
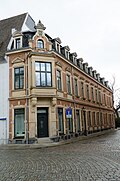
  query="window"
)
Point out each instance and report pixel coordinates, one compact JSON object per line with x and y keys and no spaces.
{"x":92,"y":93}
{"x":100,"y":97}
{"x":70,"y":125}
{"x":96,"y":95}
{"x":19,"y":78}
{"x":78,"y":120}
{"x":18,"y":43}
{"x":19,"y":126}
{"x":59,"y":87}
{"x":93,"y":119}
{"x":82,"y":89}
{"x":89,"y":119}
{"x":40,"y":44}
{"x":58,"y":47}
{"x":104,"y":99}
{"x":67,"y":54}
{"x":60,"y":120}
{"x":43,"y":74}
{"x":87,"y":92}
{"x":76,"y":87}
{"x":68,"y":84}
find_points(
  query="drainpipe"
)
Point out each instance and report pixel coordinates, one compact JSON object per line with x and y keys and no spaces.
{"x":27,"y":100}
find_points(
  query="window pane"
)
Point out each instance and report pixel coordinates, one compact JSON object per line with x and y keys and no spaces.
{"x":48,"y":79}
{"x":42,"y":66}
{"x":16,"y":82}
{"x":37,"y":66}
{"x":19,"y":123}
{"x":61,"y":121}
{"x":16,"y":70}
{"x":37,"y":79}
{"x":21,"y":81}
{"x":42,"y":79}
{"x":40,"y":44}
{"x":22,"y":70}
{"x":48,"y":66}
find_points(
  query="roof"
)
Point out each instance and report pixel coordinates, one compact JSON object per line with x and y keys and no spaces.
{"x":6,"y":26}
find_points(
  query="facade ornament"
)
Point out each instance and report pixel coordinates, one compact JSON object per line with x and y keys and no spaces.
{"x":67,"y":48}
{"x":68,"y":69}
{"x":40,"y":26}
{"x":58,"y":40}
{"x":59,"y":63}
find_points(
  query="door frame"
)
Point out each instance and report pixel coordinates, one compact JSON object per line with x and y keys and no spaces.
{"x":47,"y":126}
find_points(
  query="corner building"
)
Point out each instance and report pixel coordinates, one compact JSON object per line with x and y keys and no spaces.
{"x":51,"y":91}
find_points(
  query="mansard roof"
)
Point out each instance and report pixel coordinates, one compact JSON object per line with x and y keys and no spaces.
{"x":6,"y":27}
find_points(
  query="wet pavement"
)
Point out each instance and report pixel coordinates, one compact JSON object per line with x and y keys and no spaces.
{"x":94,"y":159}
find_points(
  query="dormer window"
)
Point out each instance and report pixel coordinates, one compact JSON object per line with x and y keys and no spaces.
{"x":90,"y":71}
{"x":57,"y":47}
{"x":18,"y":43}
{"x":67,"y":54}
{"x":17,"y":40}
{"x":40,"y":44}
{"x":85,"y":67}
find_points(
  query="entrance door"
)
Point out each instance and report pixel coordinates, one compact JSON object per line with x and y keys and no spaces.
{"x":42,"y":122}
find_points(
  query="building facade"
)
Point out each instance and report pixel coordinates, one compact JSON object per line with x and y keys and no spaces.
{"x":52,"y":92}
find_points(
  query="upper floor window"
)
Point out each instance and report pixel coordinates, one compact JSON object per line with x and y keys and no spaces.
{"x":59,"y":86}
{"x":68,"y":84}
{"x":82,"y":89}
{"x":76,"y":87}
{"x":96,"y":92}
{"x":92,"y":93}
{"x":18,"y":43}
{"x":19,"y":78}
{"x":87,"y":92}
{"x":40,"y":44}
{"x":43,"y":72}
{"x":100,"y":97}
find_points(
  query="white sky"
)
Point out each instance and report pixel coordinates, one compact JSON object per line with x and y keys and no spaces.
{"x":91,"y":28}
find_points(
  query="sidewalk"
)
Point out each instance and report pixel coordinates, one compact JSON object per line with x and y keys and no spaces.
{"x":53,"y":144}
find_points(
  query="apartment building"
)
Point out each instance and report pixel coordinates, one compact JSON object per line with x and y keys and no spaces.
{"x":52,"y":92}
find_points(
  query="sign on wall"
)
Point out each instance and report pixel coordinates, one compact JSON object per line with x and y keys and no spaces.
{"x":69,"y":112}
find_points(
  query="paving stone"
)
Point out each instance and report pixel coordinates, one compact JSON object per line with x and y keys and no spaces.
{"x":95,"y":159}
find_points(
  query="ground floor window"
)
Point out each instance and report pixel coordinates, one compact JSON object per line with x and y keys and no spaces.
{"x":60,"y":120}
{"x":78,"y":120}
{"x":19,"y":125}
{"x":70,"y":125}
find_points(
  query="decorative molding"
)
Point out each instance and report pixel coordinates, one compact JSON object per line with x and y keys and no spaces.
{"x":18,"y":60}
{"x":67,"y":48}
{"x":58,"y":63}
{"x":40,"y":26}
{"x":17,"y":33}
{"x":58,"y":40}
{"x":68,"y":69}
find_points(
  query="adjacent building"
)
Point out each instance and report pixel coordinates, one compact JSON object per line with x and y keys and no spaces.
{"x":52,"y":92}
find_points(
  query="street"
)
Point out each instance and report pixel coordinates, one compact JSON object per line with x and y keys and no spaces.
{"x":95,"y":159}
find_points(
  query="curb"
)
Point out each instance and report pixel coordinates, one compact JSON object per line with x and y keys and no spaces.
{"x":54,"y":144}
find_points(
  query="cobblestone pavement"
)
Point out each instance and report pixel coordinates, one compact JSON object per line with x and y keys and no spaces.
{"x":95,"y":159}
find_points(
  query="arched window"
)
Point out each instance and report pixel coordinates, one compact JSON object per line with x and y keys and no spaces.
{"x":40,"y":44}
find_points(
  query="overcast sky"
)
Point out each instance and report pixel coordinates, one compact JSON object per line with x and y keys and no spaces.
{"x":91,"y":28}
